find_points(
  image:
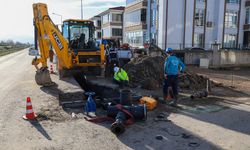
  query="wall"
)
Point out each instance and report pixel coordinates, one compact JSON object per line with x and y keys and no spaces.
{"x":235,"y":57}
{"x":193,"y":57}
{"x":218,"y":58}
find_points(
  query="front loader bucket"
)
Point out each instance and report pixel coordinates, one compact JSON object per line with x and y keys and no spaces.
{"x":42,"y":78}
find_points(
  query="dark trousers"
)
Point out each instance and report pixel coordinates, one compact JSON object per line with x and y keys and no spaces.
{"x":121,"y":83}
{"x":171,"y":81}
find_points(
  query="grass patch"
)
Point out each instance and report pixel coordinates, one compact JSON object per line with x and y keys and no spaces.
{"x":8,"y":50}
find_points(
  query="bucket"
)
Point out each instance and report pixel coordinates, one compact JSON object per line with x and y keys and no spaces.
{"x":125,"y":97}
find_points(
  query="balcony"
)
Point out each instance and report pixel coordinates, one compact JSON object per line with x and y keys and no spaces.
{"x":136,"y":6}
{"x":141,"y":26}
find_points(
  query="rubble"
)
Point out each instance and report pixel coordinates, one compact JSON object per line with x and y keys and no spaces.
{"x":147,"y":72}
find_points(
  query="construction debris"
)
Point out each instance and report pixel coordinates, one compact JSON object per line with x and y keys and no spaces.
{"x":147,"y":72}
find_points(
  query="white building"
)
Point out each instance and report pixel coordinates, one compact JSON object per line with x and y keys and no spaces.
{"x":135,"y":27}
{"x":98,"y":24}
{"x":112,"y":23}
{"x":201,"y":23}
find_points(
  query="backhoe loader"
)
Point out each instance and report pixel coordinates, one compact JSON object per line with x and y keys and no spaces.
{"x":75,"y":46}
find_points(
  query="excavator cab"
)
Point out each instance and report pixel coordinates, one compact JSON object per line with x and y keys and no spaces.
{"x":80,"y":35}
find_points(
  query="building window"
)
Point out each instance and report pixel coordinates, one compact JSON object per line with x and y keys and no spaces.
{"x":231,"y":19}
{"x":247,"y":21}
{"x":198,"y":1}
{"x":99,"y":23}
{"x":106,"y":32}
{"x":136,"y":38}
{"x":116,"y":32}
{"x":116,"y":17}
{"x":105,"y":19}
{"x":132,"y":18}
{"x":199,"y":17}
{"x":143,"y":15}
{"x":233,"y":1}
{"x":229,"y":40}
{"x":99,"y":35}
{"x":198,"y":39}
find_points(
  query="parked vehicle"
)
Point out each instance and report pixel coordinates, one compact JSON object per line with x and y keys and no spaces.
{"x":195,"y":49}
{"x":33,"y":51}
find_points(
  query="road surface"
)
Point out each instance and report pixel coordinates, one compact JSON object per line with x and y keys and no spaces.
{"x":220,"y":128}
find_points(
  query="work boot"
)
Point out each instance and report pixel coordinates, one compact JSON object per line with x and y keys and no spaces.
{"x":174,"y":102}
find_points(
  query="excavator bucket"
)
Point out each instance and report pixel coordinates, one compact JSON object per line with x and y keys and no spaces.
{"x":42,"y":78}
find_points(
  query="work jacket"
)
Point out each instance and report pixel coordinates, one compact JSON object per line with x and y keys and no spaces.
{"x":172,"y":64}
{"x":121,"y":75}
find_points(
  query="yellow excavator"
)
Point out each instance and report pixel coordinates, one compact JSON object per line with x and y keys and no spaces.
{"x":75,"y":46}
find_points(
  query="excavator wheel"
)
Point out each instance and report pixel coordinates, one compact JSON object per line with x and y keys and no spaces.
{"x":42,"y":77}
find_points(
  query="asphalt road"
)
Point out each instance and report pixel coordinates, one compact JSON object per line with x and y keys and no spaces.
{"x":15,"y":73}
{"x":17,"y":83}
{"x":198,"y":126}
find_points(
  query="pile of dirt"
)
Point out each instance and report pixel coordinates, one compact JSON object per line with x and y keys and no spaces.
{"x":147,"y":73}
{"x":192,"y":81}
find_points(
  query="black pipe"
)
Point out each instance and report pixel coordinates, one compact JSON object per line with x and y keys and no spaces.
{"x":118,"y":126}
{"x":138,"y":111}
{"x":125,"y":97}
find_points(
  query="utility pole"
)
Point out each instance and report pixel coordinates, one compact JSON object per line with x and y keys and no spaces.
{"x":81,"y":11}
{"x":59,"y":16}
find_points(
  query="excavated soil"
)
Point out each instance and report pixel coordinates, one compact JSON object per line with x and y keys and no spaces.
{"x":53,"y":112}
{"x":147,"y":73}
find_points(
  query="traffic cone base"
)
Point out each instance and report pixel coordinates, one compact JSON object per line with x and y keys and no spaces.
{"x":29,"y":118}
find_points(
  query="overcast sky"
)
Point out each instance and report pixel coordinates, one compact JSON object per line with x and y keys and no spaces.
{"x":17,"y":15}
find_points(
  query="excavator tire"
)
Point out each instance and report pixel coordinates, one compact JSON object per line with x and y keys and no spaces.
{"x":42,"y":78}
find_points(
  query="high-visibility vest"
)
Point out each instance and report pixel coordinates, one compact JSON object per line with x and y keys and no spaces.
{"x":121,"y":75}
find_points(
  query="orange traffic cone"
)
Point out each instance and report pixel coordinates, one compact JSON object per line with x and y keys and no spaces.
{"x":51,"y":69}
{"x":30,"y":115}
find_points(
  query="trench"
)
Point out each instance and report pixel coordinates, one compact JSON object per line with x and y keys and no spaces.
{"x":102,"y":87}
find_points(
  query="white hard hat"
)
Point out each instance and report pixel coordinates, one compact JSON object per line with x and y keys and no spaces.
{"x":116,"y":69}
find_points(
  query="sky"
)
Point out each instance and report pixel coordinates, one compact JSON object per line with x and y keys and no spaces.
{"x":17,"y":15}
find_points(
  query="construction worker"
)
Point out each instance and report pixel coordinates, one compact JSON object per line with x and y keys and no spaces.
{"x":171,"y":71}
{"x":121,"y":77}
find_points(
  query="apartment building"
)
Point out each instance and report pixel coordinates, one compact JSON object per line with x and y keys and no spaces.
{"x":202,"y":23}
{"x":112,"y":23}
{"x":98,"y":25}
{"x":135,"y":25}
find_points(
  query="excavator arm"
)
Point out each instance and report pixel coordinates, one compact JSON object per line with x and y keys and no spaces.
{"x":48,"y":34}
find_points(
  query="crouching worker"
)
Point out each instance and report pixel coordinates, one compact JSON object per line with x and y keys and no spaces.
{"x":121,"y":77}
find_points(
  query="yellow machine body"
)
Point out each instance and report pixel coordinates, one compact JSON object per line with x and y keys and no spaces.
{"x":72,"y":51}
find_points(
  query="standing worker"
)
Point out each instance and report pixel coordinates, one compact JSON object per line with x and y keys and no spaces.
{"x":121,"y":77}
{"x":171,"y":71}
